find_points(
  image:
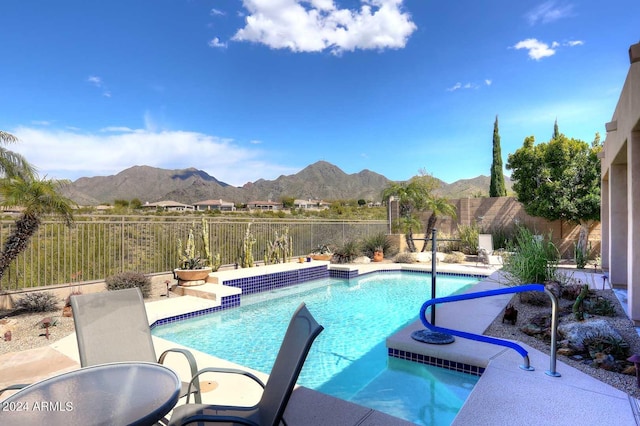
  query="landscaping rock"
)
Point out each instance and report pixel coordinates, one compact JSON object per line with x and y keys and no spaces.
{"x":577,"y":331}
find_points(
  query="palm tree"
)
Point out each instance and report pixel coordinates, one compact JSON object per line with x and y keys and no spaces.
{"x":12,"y":163}
{"x":439,"y":206}
{"x":38,"y":198}
{"x":412,"y":195}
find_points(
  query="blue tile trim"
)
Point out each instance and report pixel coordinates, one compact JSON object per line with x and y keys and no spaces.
{"x":260,"y":283}
{"x":437,"y":362}
{"x":226,"y":303}
{"x":338,"y":273}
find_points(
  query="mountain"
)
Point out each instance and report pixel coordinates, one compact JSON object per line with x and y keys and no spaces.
{"x":320,"y":180}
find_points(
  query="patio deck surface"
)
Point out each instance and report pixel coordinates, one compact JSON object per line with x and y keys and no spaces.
{"x":505,"y":394}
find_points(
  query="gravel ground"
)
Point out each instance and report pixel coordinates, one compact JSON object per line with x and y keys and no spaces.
{"x":28,"y":334}
{"x":620,"y":323}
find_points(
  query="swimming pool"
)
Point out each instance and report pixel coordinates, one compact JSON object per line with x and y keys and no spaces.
{"x":349,"y":359}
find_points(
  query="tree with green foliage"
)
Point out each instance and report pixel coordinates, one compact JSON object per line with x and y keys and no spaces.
{"x":412,"y":196}
{"x":288,"y":202}
{"x":559,"y":180}
{"x":11,"y":163}
{"x":38,"y":198}
{"x":497,"y":187}
{"x":20,"y":186}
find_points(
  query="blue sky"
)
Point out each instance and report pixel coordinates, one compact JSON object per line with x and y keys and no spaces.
{"x":258,"y":88}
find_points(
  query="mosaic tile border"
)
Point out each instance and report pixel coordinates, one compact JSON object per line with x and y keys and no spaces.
{"x":267,"y":282}
{"x":227,"y":302}
{"x":343,"y":274}
{"x":436,"y":362}
{"x":339,"y":273}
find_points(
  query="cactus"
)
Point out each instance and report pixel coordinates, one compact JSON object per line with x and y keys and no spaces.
{"x":578,"y":312}
{"x":246,"y":249}
{"x":280,"y":249}
{"x":190,"y":258}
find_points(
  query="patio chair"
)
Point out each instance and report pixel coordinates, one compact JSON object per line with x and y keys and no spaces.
{"x":486,"y":253}
{"x":112,"y":326}
{"x":302,"y":331}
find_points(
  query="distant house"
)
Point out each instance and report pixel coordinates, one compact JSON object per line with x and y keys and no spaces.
{"x":264,"y":205}
{"x":311,"y":204}
{"x":224,"y":206}
{"x":168,"y":205}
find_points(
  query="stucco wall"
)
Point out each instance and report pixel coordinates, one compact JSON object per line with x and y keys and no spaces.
{"x":496,"y":213}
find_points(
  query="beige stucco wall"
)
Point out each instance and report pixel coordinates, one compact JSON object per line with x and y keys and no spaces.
{"x":620,"y":206}
{"x":494,"y":213}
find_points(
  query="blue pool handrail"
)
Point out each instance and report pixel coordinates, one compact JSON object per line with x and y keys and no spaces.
{"x":492,"y":340}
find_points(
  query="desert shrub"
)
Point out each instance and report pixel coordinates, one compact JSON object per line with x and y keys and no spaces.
{"x":617,"y":348}
{"x":455,"y":257}
{"x":581,"y":258}
{"x":468,"y":235}
{"x":374,"y":242}
{"x":404,"y":258}
{"x":531,"y":260}
{"x":503,"y":236}
{"x":445,"y":243}
{"x":347,"y":252}
{"x":43,"y":301}
{"x":125,"y":280}
{"x":600,"y":306}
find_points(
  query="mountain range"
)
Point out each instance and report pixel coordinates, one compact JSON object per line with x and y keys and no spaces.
{"x":319,"y":181}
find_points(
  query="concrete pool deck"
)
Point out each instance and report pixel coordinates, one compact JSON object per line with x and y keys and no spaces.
{"x":505,"y":394}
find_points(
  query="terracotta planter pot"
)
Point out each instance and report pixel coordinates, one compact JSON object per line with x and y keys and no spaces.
{"x":193,"y":274}
{"x":378,"y":256}
{"x":321,"y":256}
{"x":67,"y":312}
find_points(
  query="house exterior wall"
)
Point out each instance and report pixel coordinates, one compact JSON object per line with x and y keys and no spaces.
{"x":620,"y":173}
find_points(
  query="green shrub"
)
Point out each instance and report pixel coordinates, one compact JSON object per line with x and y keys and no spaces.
{"x":531,"y":261}
{"x":130,"y":280}
{"x":580,"y":257}
{"x":468,"y":235}
{"x":43,"y":301}
{"x":617,"y":348}
{"x":349,"y":251}
{"x":375,"y":241}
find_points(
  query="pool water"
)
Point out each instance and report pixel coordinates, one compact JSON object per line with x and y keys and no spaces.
{"x":349,"y":359}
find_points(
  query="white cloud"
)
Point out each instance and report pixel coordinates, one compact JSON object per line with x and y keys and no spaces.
{"x":217,"y":12}
{"x":97,"y":81}
{"x":466,"y":86}
{"x":549,"y":11}
{"x":537,"y":49}
{"x":116,"y":148}
{"x":217,"y":43}
{"x":318,"y":25}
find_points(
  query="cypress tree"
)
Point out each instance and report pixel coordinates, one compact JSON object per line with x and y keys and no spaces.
{"x":497,"y":187}
{"x":556,"y":133}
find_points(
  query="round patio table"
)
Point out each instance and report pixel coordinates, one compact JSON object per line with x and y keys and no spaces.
{"x":121,"y":393}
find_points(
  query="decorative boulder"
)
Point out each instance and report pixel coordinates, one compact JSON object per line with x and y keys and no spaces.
{"x":577,"y":332}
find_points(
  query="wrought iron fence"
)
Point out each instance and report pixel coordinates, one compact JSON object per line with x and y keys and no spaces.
{"x":99,"y":246}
